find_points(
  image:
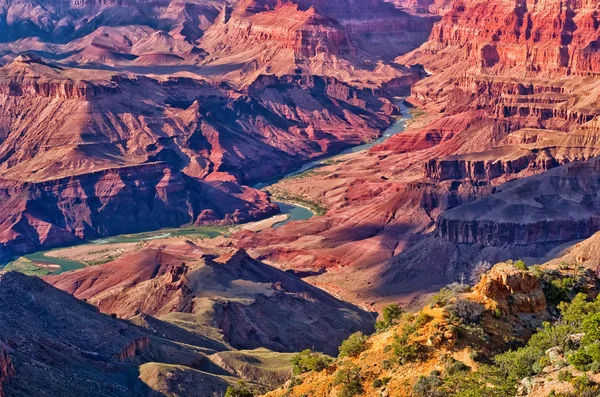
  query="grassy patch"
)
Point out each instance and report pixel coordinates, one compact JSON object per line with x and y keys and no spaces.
{"x":289,"y":197}
{"x":26,"y":266}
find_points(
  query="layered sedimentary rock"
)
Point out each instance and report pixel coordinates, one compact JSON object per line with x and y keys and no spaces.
{"x":557,"y":206}
{"x":75,"y":153}
{"x":549,"y":37}
{"x":489,"y":119}
{"x":339,"y":38}
{"x":250,"y":303}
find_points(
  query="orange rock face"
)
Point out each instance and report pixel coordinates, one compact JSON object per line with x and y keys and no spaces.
{"x":511,"y":290}
{"x":536,"y":37}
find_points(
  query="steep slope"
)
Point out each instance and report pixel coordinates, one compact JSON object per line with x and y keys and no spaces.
{"x":352,"y":41}
{"x":73,"y":150}
{"x":527,"y":37}
{"x":251,"y":304}
{"x":56,"y":345}
{"x":481,"y":124}
{"x":450,"y":346}
{"x":53,"y":344}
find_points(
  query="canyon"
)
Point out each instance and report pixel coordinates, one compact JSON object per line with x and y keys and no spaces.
{"x":127,"y":117}
{"x":183,"y":159}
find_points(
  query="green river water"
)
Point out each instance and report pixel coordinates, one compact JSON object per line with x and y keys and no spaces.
{"x":294,"y":212}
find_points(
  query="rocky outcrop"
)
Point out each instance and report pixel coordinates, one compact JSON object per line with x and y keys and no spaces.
{"x":476,"y":169}
{"x":251,"y":304}
{"x":550,"y":37}
{"x":133,"y":348}
{"x":352,"y":41}
{"x":553,"y":207}
{"x":7,"y":370}
{"x":510,"y":290}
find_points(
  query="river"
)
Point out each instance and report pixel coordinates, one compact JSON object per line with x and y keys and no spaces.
{"x":294,"y":211}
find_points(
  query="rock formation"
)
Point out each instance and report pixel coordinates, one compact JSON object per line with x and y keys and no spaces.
{"x":250,"y":303}
{"x":161,"y":163}
{"x":54,"y":344}
{"x":511,"y":290}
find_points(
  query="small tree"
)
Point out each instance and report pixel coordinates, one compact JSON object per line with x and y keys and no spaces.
{"x":241,"y":390}
{"x":354,"y":345}
{"x":591,"y":328}
{"x":349,"y":377}
{"x":308,"y":360}
{"x":479,"y":270}
{"x":390,"y":314}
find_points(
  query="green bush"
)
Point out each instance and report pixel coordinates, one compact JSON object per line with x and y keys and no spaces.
{"x":565,"y":376}
{"x":456,"y":367}
{"x":349,"y":377}
{"x":591,"y":327}
{"x":407,"y":352}
{"x":390,"y":314}
{"x":354,"y":345}
{"x":422,"y":319}
{"x":241,"y":390}
{"x":377,"y":383}
{"x":520,"y":265}
{"x":584,"y":386}
{"x":442,"y":298}
{"x":308,"y":360}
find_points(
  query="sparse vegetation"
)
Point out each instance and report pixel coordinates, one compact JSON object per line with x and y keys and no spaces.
{"x":570,"y":342}
{"x":463,"y":311}
{"x":308,"y":360}
{"x":520,"y":265}
{"x":390,"y":314}
{"x":240,"y":390}
{"x":354,"y":345}
{"x":349,"y":377}
{"x":479,"y":270}
{"x":286,"y":196}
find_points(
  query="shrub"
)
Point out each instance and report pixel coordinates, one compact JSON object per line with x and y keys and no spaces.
{"x":308,"y":360}
{"x":377,"y":383}
{"x":427,"y":386}
{"x":354,"y":345}
{"x":465,"y":311}
{"x":422,"y":319}
{"x":349,"y":377}
{"x":565,"y":376}
{"x":442,"y":298}
{"x":241,"y":390}
{"x":407,"y":352}
{"x":591,"y":327}
{"x":584,"y":386}
{"x":390,"y":314}
{"x":520,"y":265}
{"x":456,"y":367}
